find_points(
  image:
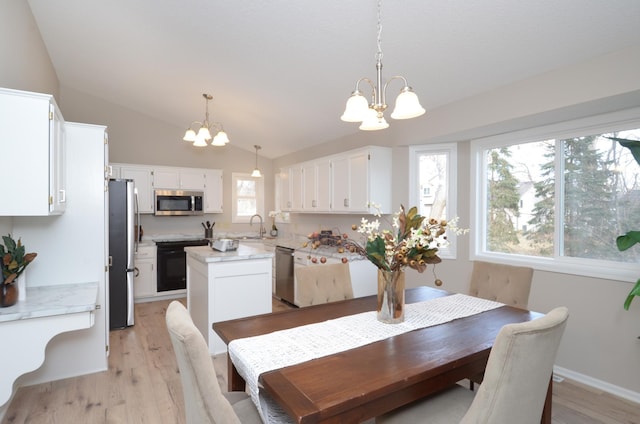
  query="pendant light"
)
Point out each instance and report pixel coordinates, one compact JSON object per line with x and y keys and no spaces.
{"x":371,"y":115}
{"x":204,"y":132}
{"x":256,"y":172}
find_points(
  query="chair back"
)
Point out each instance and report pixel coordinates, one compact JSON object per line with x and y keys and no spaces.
{"x":517,"y":375}
{"x":203,"y":399}
{"x":503,"y":283}
{"x":325,"y":283}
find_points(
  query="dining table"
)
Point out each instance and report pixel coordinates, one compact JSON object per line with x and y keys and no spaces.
{"x":366,"y":381}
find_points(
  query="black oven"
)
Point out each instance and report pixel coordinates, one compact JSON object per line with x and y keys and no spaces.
{"x":172,"y":263}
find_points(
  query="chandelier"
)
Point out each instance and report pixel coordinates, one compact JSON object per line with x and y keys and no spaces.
{"x":204,"y":132}
{"x":371,"y":115}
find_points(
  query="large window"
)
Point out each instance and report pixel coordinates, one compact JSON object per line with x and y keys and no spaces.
{"x":433,"y":183}
{"x":247,"y":197}
{"x":559,"y":199}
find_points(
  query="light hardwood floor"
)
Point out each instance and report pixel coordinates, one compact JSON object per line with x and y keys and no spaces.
{"x":142,"y":385}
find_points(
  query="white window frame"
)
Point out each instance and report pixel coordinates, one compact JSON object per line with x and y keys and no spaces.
{"x":601,"y":124}
{"x":451,"y":150}
{"x":235,"y":176}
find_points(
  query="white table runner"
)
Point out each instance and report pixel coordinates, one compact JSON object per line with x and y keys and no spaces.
{"x":253,"y":356}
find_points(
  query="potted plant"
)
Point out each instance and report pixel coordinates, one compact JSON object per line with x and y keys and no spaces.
{"x":413,"y":241}
{"x":14,"y":261}
{"x":629,"y":239}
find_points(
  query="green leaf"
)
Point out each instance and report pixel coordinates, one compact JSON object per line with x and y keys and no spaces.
{"x":9,"y":243}
{"x":633,"y":145}
{"x":626,"y":241}
{"x":635,"y":291}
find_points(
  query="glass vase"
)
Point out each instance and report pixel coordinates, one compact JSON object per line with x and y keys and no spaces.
{"x":391,"y":296}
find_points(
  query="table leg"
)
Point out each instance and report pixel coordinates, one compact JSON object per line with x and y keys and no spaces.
{"x":546,"y":411}
{"x":235,"y":382}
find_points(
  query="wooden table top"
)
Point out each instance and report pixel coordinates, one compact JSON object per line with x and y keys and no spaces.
{"x":365,"y":382}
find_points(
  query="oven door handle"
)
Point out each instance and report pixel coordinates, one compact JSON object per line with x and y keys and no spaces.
{"x":169,"y":252}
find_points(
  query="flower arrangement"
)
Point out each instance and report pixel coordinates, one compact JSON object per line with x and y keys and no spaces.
{"x":14,"y":259}
{"x":413,"y":242}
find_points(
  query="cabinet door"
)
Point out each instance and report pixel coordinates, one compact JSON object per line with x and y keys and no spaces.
{"x":295,"y":173}
{"x":166,"y":178}
{"x":285,"y":189}
{"x":309,"y":199}
{"x":213,"y":191}
{"x":57,"y":157}
{"x":144,"y":279}
{"x":323,"y":185}
{"x":359,"y":182}
{"x":32,"y":137}
{"x":192,"y":179}
{"x":340,"y":197}
{"x":142,"y":177}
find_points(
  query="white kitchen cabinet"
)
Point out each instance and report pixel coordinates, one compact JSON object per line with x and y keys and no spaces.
{"x":361,"y":176}
{"x":284,"y":180}
{"x":166,"y":178}
{"x":364,"y":278}
{"x":213,"y":191}
{"x":316,"y":186}
{"x":32,"y":154}
{"x":295,"y":173}
{"x":171,"y":178}
{"x":143,"y":180}
{"x":145,"y":277}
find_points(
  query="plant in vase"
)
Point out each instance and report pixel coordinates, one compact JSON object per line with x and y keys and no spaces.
{"x":14,"y":261}
{"x":412,"y":242}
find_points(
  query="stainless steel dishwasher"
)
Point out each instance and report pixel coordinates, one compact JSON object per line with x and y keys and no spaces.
{"x":284,"y":274}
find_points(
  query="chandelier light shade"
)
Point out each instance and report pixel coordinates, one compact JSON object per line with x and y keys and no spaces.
{"x":205,"y":128}
{"x":256,"y":172}
{"x":371,"y":115}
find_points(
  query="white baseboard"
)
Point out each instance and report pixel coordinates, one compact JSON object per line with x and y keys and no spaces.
{"x":598,"y":384}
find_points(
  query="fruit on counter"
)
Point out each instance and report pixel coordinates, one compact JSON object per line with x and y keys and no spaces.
{"x":354,"y":227}
{"x":323,"y":259}
{"x":314,"y":260}
{"x":438,"y":282}
{"x":341,"y":249}
{"x":305,"y":244}
{"x":344,"y":260}
{"x":345,"y":236}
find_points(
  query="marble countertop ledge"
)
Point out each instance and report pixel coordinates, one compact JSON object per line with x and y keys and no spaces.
{"x":53,"y":300}
{"x":244,"y":252}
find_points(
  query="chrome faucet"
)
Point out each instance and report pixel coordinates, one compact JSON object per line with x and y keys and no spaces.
{"x":262,"y":230}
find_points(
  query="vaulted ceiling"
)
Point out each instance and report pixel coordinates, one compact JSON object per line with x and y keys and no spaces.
{"x":280,"y":71}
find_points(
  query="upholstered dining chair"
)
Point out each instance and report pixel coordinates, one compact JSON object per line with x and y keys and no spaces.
{"x":203,"y":399}
{"x":516,"y":380}
{"x":507,"y":284}
{"x":324,"y":283}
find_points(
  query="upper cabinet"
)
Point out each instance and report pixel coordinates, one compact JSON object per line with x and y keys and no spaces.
{"x":362,"y":177}
{"x":147,"y":178}
{"x":213,"y":191}
{"x":143,"y":181}
{"x":178,"y":178}
{"x":32,"y":154}
{"x":344,"y":183}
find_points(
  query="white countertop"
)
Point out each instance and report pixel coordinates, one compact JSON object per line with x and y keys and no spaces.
{"x":53,"y":300}
{"x":244,"y":252}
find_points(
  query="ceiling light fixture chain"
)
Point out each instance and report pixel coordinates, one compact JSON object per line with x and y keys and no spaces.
{"x":204,"y":132}
{"x":371,"y":115}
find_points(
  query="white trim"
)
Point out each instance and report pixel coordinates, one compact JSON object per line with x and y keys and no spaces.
{"x":451,"y":150}
{"x":615,"y":121}
{"x":598,"y":384}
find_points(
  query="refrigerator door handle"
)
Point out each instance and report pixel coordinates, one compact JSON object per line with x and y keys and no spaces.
{"x":130,"y":277}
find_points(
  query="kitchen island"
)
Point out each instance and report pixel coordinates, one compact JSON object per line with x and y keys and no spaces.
{"x":227,"y":285}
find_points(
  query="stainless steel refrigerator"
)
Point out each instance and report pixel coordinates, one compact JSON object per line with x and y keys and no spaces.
{"x":122,"y":245}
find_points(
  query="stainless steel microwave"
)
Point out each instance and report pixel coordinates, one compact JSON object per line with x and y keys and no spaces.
{"x":178,"y":202}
